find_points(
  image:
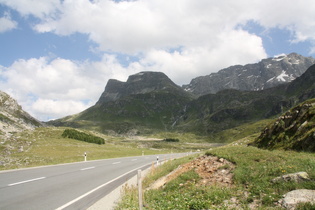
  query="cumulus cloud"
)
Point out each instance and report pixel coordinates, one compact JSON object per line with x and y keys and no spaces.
{"x":39,"y":9}
{"x":49,"y":87}
{"x":6,"y":23}
{"x":182,"y":38}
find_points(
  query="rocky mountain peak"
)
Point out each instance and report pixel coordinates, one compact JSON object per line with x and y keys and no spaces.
{"x":267,"y":73}
{"x":140,"y":83}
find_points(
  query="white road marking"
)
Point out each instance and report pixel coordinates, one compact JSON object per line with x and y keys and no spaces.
{"x":83,"y":169}
{"x":30,"y":180}
{"x":84,"y":195}
{"x":116,"y":163}
{"x":134,"y":159}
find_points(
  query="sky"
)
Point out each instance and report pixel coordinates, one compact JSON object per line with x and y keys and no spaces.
{"x":56,"y":56}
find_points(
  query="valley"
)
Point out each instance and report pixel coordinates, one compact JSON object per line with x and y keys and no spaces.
{"x":263,"y":133}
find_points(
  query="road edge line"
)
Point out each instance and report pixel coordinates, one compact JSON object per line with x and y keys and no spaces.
{"x":97,"y":188}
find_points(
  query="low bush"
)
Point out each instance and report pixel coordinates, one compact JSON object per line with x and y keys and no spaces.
{"x":81,"y":136}
{"x":171,"y":140}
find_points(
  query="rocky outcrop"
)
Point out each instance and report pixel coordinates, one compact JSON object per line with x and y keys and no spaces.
{"x":294,"y":130}
{"x":140,"y":83}
{"x":13,"y":118}
{"x":267,"y":73}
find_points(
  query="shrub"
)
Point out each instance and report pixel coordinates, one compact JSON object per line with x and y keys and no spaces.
{"x":81,"y":136}
{"x":171,"y":140}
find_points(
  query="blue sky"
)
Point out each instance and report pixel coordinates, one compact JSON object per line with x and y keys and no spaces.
{"x":57,"y":56}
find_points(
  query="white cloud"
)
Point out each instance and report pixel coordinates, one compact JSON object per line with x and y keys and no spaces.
{"x":182,"y":38}
{"x":48,"y":88}
{"x":6,"y":23}
{"x":39,"y":9}
{"x":56,"y":108}
{"x":295,"y":16}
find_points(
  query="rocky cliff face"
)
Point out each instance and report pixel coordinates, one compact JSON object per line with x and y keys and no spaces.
{"x":141,"y":83}
{"x":267,"y":73}
{"x":12,"y":116}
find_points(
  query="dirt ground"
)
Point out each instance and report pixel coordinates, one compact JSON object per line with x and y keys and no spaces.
{"x":212,"y":170}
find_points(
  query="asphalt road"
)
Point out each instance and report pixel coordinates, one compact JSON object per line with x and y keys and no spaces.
{"x":69,"y":186}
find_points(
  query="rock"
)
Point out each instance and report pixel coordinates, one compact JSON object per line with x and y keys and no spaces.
{"x":21,"y":149}
{"x":296,"y":177}
{"x":292,"y":199}
{"x":267,"y":73}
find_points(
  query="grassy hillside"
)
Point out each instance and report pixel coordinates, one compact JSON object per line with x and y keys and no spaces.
{"x":142,"y":113}
{"x":294,"y":130}
{"x":251,"y":189}
{"x":46,"y":146}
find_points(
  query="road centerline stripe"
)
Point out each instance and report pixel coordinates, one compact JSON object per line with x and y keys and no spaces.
{"x":116,"y":163}
{"x":30,"y":180}
{"x":83,"y":169}
{"x":134,"y":159}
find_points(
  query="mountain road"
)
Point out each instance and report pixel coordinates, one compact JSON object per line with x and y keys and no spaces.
{"x":69,"y":186}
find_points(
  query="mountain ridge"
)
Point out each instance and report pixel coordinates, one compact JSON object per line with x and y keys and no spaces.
{"x":140,"y":83}
{"x":170,"y":108}
{"x":267,"y":73}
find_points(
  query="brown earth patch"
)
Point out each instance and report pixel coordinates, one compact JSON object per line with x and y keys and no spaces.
{"x":211,"y":169}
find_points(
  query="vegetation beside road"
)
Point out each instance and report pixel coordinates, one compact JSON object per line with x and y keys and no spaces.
{"x":252,"y":187}
{"x":46,"y":146}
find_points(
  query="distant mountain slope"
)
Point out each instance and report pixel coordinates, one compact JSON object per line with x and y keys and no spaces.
{"x":147,"y":100}
{"x":230,"y":108}
{"x":12,"y":117}
{"x":293,"y":130}
{"x":267,"y":73}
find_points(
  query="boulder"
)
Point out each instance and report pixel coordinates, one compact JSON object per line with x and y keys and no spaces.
{"x":293,"y":198}
{"x":295,"y":177}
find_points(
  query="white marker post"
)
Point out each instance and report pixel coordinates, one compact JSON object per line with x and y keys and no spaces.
{"x":157,"y":160}
{"x":140,"y":189}
{"x":84,"y":156}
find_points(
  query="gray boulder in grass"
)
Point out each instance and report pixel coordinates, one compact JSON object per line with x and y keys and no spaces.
{"x":296,"y":177}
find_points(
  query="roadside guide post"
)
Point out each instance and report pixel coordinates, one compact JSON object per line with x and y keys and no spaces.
{"x":140,"y":190}
{"x":84,"y":156}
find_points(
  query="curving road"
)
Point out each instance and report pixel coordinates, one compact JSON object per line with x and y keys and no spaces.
{"x":69,"y":186}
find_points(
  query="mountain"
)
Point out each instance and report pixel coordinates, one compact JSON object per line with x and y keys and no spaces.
{"x":141,"y":83}
{"x":147,"y":100}
{"x":13,"y":118}
{"x":230,"y":108}
{"x":150,"y":101}
{"x":267,"y":73}
{"x":294,"y":130}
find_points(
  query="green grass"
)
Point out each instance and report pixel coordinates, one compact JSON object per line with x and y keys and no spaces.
{"x":183,"y":193}
{"x":245,"y":130}
{"x":130,"y":200}
{"x":255,"y":168}
{"x":46,"y":146}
